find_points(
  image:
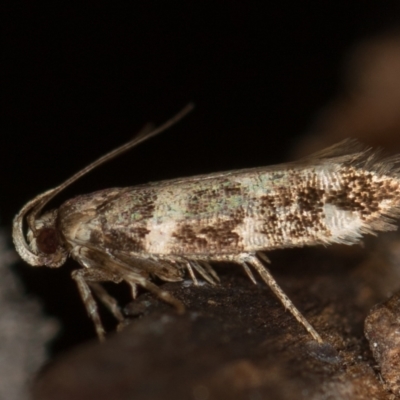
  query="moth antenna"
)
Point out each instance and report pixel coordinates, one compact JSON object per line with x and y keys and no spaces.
{"x":148,"y":128}
{"x":145,"y":134}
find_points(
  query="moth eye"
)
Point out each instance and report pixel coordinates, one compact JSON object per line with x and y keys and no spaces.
{"x":47,"y":240}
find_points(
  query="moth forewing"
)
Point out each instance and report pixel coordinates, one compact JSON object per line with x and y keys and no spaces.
{"x":171,"y":228}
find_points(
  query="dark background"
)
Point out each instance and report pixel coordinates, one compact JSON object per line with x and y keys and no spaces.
{"x":79,"y":80}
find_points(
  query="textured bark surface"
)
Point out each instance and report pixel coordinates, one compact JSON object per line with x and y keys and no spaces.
{"x":237,"y":342}
{"x":382,"y":329}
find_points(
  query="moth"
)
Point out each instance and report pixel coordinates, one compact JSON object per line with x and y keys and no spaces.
{"x":172,"y":228}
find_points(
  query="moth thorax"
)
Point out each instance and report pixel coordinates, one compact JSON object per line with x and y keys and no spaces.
{"x":47,"y":242}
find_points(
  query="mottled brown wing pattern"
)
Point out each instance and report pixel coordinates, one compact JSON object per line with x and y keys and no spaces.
{"x":253,"y":210}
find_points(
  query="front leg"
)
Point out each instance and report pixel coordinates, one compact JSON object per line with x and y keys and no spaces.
{"x":87,"y":279}
{"x":108,"y":301}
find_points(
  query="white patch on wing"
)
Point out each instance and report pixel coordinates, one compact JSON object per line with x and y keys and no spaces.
{"x":345,"y":226}
{"x":248,"y":231}
{"x":168,"y":211}
{"x":158,"y":240}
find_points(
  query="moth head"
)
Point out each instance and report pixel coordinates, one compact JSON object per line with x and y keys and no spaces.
{"x":43,"y":245}
{"x":46,"y":242}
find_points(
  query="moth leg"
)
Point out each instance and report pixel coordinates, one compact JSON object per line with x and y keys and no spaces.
{"x":210,"y":270}
{"x":108,"y":301}
{"x":207,"y":276}
{"x":133,"y":289}
{"x":80,"y":277}
{"x":151,"y":287}
{"x":264,"y":257}
{"x":249,"y":273}
{"x":191,"y":273}
{"x":271,"y":282}
{"x":133,"y":279}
